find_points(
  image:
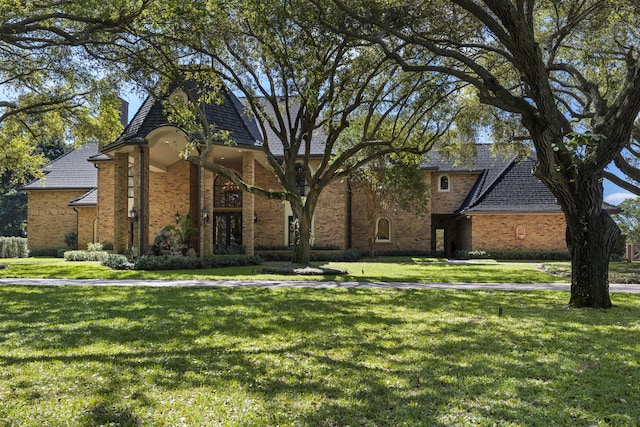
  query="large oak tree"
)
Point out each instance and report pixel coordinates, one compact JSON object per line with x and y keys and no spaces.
{"x":568,"y":71}
{"x":302,"y":83}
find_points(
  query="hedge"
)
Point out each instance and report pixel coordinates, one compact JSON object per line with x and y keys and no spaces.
{"x":513,"y":255}
{"x":185,"y":263}
{"x":13,"y":247}
{"x":350,"y":255}
{"x":85,"y":255}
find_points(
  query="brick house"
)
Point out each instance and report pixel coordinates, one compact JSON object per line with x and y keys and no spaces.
{"x":126,"y":191}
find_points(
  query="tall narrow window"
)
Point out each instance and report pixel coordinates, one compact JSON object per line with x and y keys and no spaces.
{"x":443,"y":183}
{"x":130,"y":182}
{"x":383,"y":232}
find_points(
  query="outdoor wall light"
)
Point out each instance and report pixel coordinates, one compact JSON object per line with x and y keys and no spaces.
{"x":205,"y":215}
{"x":133,"y":214}
{"x":255,"y":217}
{"x":178,"y":217}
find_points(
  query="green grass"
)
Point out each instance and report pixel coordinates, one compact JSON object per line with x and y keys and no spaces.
{"x":403,"y":270}
{"x":619,"y":272}
{"x":81,"y":356}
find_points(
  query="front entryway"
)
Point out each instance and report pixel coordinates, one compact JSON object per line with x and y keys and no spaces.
{"x":227,"y":229}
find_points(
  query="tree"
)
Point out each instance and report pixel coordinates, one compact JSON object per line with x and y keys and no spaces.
{"x":300,"y":82}
{"x":566,"y":74}
{"x":389,"y":183}
{"x":13,"y":202}
{"x":48,"y":85}
{"x":628,"y":162}
{"x":629,"y":219}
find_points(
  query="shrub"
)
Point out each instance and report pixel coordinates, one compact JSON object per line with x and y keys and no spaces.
{"x":228,"y":250}
{"x":107,"y":246}
{"x":84,"y":255}
{"x":117,"y":262}
{"x":185,"y":263}
{"x":13,"y":247}
{"x":71,"y":239}
{"x":350,"y":255}
{"x":95,"y":246}
{"x":409,"y":252}
{"x":514,"y":255}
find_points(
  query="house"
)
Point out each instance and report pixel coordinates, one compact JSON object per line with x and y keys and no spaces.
{"x":126,"y":191}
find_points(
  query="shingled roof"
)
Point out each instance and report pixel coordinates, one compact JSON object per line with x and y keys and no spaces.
{"x":228,"y":115}
{"x":69,"y":171}
{"x":88,"y":199}
{"x":515,"y":189}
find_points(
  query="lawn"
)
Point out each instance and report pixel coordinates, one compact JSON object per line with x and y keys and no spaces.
{"x":81,"y":356}
{"x":402,"y":270}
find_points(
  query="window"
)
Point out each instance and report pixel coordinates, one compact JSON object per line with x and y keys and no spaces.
{"x":443,"y":183}
{"x":130,"y":182}
{"x":383,"y":230}
{"x":226,"y":194}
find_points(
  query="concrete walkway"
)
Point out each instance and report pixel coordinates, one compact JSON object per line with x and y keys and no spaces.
{"x":627,"y":288}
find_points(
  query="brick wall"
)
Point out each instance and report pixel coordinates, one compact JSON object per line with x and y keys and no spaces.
{"x":446,"y":202}
{"x":408,"y":231}
{"x":170,"y":192}
{"x":87,"y":215}
{"x":49,"y":217}
{"x":105,"y":202}
{"x":329,"y":224}
{"x":537,"y":232}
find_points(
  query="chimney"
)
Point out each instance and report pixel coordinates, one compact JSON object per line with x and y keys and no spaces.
{"x":124,"y":112}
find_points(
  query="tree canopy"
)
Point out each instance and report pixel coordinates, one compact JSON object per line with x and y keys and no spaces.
{"x":304,"y":85}
{"x":564,"y":75}
{"x":49,"y":86}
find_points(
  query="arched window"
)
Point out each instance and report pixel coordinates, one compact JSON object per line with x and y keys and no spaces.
{"x":383,"y":230}
{"x":227,"y":194}
{"x":443,"y":183}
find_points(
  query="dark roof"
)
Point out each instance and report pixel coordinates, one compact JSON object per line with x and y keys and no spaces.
{"x":69,"y":171}
{"x":228,"y":115}
{"x":88,"y":199}
{"x":514,"y":189}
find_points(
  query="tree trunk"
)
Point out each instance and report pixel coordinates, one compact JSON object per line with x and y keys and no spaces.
{"x":590,"y":239}
{"x":302,"y":244}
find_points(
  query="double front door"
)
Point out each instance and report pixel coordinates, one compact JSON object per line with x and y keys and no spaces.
{"x":227,"y":229}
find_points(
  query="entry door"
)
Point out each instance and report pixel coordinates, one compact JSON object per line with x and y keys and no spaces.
{"x":227,"y":229}
{"x":440,"y":245}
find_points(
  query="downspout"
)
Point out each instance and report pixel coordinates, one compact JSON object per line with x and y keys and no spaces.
{"x":198,"y":213}
{"x":142,"y":213}
{"x":349,"y":215}
{"x":77,"y":226}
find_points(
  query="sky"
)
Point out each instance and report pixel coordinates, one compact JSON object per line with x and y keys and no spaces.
{"x":612,"y":193}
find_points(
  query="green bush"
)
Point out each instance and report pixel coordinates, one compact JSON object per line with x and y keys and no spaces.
{"x":409,"y":252}
{"x":514,"y":255}
{"x":84,"y":255}
{"x":185,"y":263}
{"x":228,"y":250}
{"x":71,"y":239}
{"x":117,"y":262}
{"x":350,"y":255}
{"x":13,"y":247}
{"x":95,"y":246}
